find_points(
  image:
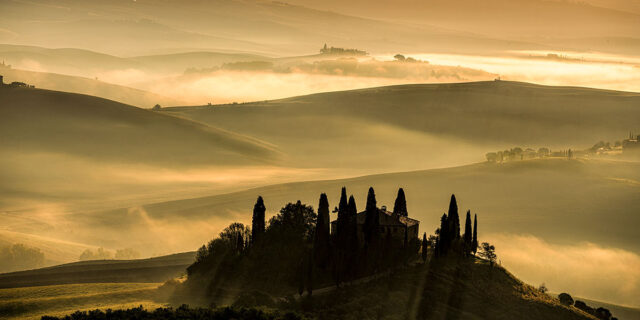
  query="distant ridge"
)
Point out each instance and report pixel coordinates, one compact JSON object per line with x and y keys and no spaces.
{"x":156,"y":269}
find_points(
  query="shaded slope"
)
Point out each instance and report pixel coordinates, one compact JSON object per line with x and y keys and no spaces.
{"x":158,"y":269}
{"x":443,"y":290}
{"x":40,"y":121}
{"x":428,"y":124}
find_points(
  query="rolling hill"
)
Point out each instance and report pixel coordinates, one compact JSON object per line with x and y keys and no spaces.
{"x":92,"y":64}
{"x":93,"y":87}
{"x":97,"y":128}
{"x":429,"y":125}
{"x":153,"y":27}
{"x":555,"y":199}
{"x":152,"y":270}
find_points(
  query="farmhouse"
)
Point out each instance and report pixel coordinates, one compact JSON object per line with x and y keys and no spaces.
{"x":389,"y":223}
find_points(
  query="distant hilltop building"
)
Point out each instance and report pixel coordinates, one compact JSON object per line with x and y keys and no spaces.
{"x":342,"y":51}
{"x":631,"y":145}
{"x":389,"y":223}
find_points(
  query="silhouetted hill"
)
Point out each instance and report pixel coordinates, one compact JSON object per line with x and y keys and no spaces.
{"x":429,"y":125}
{"x":34,"y":120}
{"x":442,"y":290}
{"x":157,"y":269}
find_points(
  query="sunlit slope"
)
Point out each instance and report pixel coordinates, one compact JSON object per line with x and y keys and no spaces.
{"x":33,"y":302}
{"x":559,"y":200}
{"x":93,"y":87}
{"x":426,"y":125}
{"x":42,"y":121}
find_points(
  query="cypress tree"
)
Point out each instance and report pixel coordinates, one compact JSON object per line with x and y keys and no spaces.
{"x":371,"y":217}
{"x":353,"y":244}
{"x":400,"y":206}
{"x":454,"y":219}
{"x":443,"y":236}
{"x":467,"y":234}
{"x":474,"y":244}
{"x":425,"y":246}
{"x":257,"y":222}
{"x":343,"y":217}
{"x":353,"y":225}
{"x":321,"y":237}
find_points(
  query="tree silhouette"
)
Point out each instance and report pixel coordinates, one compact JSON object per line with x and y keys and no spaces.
{"x":400,"y":206}
{"x":468,"y":237}
{"x":371,"y":218}
{"x":474,"y":241}
{"x":454,"y":219}
{"x":488,"y":252}
{"x":425,"y":246}
{"x":321,"y":237}
{"x":443,"y":235}
{"x":257,"y":222}
{"x":343,"y":219}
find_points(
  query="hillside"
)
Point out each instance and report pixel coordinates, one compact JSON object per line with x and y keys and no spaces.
{"x":553,"y":207}
{"x":428,"y":124}
{"x":93,"y":64}
{"x":152,"y":270}
{"x":92,"y":87}
{"x":97,"y":128}
{"x":585,"y":192}
{"x":441,"y":291}
{"x":151,"y":26}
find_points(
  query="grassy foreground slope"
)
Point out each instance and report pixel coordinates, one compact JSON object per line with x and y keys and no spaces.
{"x":427,"y":125}
{"x":33,"y":302}
{"x":158,"y":269}
{"x":442,"y":290}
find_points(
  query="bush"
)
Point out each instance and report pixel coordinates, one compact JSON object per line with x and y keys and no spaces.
{"x":565,"y":299}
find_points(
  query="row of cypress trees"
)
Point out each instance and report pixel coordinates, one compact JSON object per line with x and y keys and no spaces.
{"x":448,"y":235}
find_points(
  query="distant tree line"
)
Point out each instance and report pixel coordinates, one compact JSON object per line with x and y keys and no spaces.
{"x":517,"y":153}
{"x":334,"y":50}
{"x":102,"y":254}
{"x":20,"y":257}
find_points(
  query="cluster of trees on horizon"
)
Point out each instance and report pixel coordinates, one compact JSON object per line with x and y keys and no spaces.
{"x":517,"y":153}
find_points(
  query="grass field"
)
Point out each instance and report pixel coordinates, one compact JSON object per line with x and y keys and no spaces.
{"x":34,"y":302}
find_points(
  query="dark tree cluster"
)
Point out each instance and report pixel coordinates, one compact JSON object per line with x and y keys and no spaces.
{"x":298,"y":249}
{"x":449,"y":241}
{"x":183,"y":312}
